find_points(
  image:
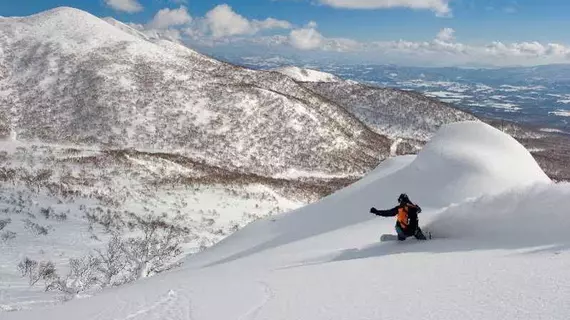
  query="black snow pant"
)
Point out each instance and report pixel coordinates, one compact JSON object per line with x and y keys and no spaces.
{"x":405,"y":233}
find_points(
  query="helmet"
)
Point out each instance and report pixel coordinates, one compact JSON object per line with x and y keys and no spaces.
{"x":403,"y":198}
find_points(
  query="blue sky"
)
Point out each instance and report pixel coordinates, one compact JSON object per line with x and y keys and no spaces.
{"x":348,"y":27}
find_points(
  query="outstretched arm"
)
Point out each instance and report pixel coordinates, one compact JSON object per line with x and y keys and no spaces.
{"x":385,"y":213}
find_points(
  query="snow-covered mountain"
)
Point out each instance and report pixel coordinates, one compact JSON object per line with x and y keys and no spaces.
{"x":500,"y":249}
{"x":70,"y":77}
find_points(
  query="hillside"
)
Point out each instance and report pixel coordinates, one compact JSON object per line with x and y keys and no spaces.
{"x":494,"y":255}
{"x":391,"y":112}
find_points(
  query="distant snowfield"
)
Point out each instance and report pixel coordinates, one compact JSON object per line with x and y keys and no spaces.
{"x":501,"y":249}
{"x":561,"y":113}
{"x":510,"y":88}
{"x":446,"y":94}
{"x":307,"y":75}
{"x":551,"y":130}
{"x":506,"y":106}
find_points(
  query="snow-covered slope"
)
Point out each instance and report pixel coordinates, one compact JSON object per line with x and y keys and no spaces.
{"x":501,"y":256}
{"x":307,"y":75}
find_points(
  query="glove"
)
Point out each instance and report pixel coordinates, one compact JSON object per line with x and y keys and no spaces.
{"x":373,"y":210}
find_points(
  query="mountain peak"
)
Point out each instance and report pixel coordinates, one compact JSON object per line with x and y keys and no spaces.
{"x":62,"y":13}
{"x":66,"y":28}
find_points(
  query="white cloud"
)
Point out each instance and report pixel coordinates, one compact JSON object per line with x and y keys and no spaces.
{"x":130,"y":6}
{"x":306,"y":39}
{"x":438,"y":52}
{"x":442,"y":50}
{"x":440,"y":7}
{"x":222,"y":26}
{"x":446,"y":35}
{"x":166,"y":18}
{"x":528,"y":50}
{"x":312,"y":24}
{"x":342,"y":45}
{"x":222,"y":21}
{"x":557,"y":49}
{"x":270,"y":23}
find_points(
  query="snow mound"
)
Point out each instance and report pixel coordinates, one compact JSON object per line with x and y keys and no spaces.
{"x":464,"y":160}
{"x":307,"y":75}
{"x":470,"y":159}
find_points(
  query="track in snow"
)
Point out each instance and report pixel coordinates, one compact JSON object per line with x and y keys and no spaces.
{"x":252,"y":313}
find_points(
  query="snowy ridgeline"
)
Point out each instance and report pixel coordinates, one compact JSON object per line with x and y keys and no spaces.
{"x":500,"y":249}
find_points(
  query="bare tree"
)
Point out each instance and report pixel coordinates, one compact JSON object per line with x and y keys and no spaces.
{"x":82,"y":276}
{"x":152,"y":252}
{"x":7,"y":235}
{"x":35,"y":227}
{"x":4,"y":223}
{"x":36,"y":271}
{"x":112,"y":262}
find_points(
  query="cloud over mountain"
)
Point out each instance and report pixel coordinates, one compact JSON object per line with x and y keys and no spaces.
{"x":440,"y":7}
{"x":130,"y":6}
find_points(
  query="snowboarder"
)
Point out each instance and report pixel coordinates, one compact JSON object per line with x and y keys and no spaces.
{"x":407,"y":218}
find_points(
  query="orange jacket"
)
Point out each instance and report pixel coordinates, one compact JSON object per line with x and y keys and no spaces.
{"x":406,"y":215}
